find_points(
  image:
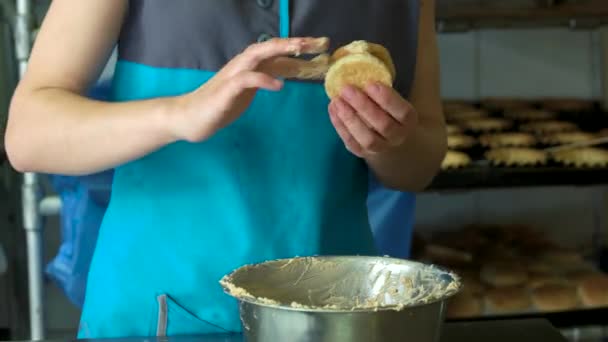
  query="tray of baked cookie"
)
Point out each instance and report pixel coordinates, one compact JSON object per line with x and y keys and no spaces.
{"x":508,"y":142}
{"x":516,"y":272}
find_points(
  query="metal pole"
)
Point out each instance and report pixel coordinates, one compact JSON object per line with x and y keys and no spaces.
{"x":31,"y":191}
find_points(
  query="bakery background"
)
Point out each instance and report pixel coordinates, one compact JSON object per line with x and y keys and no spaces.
{"x":520,"y":50}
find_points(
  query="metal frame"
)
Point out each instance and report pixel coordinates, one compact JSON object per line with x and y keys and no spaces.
{"x":31,"y":190}
{"x":35,"y":205}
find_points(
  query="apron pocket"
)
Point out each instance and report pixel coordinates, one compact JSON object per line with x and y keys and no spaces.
{"x":173,"y":320}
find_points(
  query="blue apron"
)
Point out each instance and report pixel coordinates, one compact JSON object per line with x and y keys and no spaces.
{"x":276,"y":183}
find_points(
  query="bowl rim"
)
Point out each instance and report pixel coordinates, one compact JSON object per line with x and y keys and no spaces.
{"x":260,"y":302}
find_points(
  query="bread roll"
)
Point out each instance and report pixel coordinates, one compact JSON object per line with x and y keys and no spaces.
{"x":504,"y":274}
{"x":464,"y":305}
{"x":508,"y":300}
{"x":555,"y":297}
{"x":594,"y":291}
{"x":359,"y":64}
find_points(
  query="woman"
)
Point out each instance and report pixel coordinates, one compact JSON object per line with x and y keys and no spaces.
{"x":218,"y":163}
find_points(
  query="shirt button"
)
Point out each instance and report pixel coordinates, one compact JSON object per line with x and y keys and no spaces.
{"x":264,"y":3}
{"x":264,"y":37}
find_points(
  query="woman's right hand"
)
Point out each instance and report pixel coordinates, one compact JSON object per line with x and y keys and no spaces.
{"x":221,"y":100}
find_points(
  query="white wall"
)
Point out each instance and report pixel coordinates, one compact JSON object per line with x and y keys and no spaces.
{"x":522,"y":63}
{"x":529,"y":64}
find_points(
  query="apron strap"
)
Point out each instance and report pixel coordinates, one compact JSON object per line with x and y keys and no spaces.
{"x":285,"y":20}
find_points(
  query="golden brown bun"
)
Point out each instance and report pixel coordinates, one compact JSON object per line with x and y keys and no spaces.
{"x":555,"y":297}
{"x":538,"y":280}
{"x":504,"y":274}
{"x":594,"y":291}
{"x":464,"y":305}
{"x":508,"y":300}
{"x":360,"y":46}
{"x":359,"y":64}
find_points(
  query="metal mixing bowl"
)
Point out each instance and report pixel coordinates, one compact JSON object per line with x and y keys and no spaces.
{"x":335,"y":299}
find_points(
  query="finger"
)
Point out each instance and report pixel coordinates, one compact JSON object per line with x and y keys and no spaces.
{"x":251,"y":80}
{"x":287,"y":67}
{"x":255,"y":54}
{"x":366,"y":137}
{"x":349,"y":141}
{"x":376,"y":117}
{"x":389,"y":100}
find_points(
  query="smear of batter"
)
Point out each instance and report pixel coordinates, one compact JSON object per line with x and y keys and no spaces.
{"x":341,"y":284}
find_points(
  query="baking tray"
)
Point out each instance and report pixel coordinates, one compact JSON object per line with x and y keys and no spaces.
{"x":482,"y":174}
{"x":561,"y":320}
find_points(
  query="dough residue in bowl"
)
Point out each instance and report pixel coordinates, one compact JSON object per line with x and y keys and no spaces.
{"x":336,"y":284}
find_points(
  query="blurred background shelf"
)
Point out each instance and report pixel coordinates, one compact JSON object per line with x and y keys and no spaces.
{"x":462,"y":15}
{"x":483,"y":176}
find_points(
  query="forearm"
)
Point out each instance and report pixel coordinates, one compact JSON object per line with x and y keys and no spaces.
{"x":412,"y":165}
{"x":56,"y":131}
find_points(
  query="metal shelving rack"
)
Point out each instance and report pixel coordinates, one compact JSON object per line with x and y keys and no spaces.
{"x":35,"y":205}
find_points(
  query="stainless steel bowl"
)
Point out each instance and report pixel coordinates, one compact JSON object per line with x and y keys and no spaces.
{"x":354,"y":299}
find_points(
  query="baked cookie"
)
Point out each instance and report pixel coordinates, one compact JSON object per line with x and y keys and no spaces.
{"x":455,"y":160}
{"x":453,"y":129}
{"x":503,"y":274}
{"x":567,"y":105}
{"x":555,"y":297}
{"x":516,"y":157}
{"x":487,"y":124}
{"x":566,"y":138}
{"x":583,"y":157}
{"x":594,"y":291}
{"x":514,"y":139}
{"x":549,"y":126}
{"x":505,"y":103}
{"x":464,"y":305}
{"x":529,"y":115}
{"x":465,"y":114}
{"x":457,"y":105}
{"x":460,"y":141}
{"x":508,"y":300}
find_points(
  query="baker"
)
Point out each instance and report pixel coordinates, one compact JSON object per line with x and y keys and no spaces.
{"x":218,"y":162}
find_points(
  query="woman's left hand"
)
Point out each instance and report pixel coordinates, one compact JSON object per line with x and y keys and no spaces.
{"x":372,"y":121}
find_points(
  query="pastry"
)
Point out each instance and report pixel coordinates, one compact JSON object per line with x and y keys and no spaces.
{"x":583,"y":157}
{"x":465,"y":114}
{"x":567,"y":105}
{"x":504,"y":103}
{"x":575,"y":277}
{"x":507,"y":140}
{"x":541,"y":267}
{"x":487,"y":124}
{"x":508,"y":300}
{"x":456,"y":105}
{"x":358,"y":64}
{"x":529,"y":115}
{"x":593,"y":291}
{"x":446,"y":256}
{"x":550,"y":126}
{"x":503,"y":274}
{"x":537,"y":280}
{"x":516,"y":157}
{"x":453,"y":129}
{"x":566,"y":138}
{"x":555,"y":297}
{"x":459,"y":141}
{"x":455,"y":160}
{"x":464,"y":305}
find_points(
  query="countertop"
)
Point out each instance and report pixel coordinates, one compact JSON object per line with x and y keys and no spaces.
{"x":495,"y":331}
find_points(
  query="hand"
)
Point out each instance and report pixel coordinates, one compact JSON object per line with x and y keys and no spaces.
{"x":229,"y":93}
{"x":372,"y":121}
